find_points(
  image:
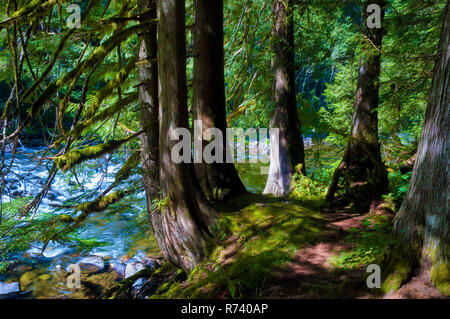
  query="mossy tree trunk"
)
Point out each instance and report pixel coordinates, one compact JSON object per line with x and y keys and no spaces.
{"x":362,"y":174}
{"x":288,"y":151}
{"x":219,"y":181}
{"x":422,"y":224}
{"x":148,"y":114}
{"x":187,"y":220}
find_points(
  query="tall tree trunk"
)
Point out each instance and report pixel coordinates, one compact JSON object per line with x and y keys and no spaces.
{"x":288,"y":151}
{"x":148,"y":114}
{"x":362,"y":174}
{"x":187,"y":220}
{"x":422,"y":224}
{"x":219,"y":181}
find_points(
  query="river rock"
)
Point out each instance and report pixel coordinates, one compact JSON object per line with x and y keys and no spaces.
{"x":92,"y":264}
{"x":139,"y":283}
{"x":53,"y":252}
{"x":9,"y":288}
{"x":27,"y":278}
{"x":133,"y":268}
{"x":118,"y":268}
{"x":44,"y":277}
{"x":17,"y":194}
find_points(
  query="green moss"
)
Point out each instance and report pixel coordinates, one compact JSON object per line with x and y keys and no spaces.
{"x":402,"y":261}
{"x":44,"y":277}
{"x":399,"y":265}
{"x":396,"y":278}
{"x":440,"y":272}
{"x":171,"y":279}
{"x":440,"y":276}
{"x":98,"y":55}
{"x":258,"y":235}
{"x":103,"y":114}
{"x":100,"y":204}
{"x":75,"y":157}
{"x":173,"y":290}
{"x":27,"y":279}
{"x":66,"y":218}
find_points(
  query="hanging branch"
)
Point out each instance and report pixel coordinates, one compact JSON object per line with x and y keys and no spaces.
{"x":75,"y":157}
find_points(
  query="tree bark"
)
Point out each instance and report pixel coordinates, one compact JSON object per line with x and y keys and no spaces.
{"x":362,"y":174}
{"x":219,"y":181}
{"x":422,"y":224}
{"x":187,"y":220}
{"x":287,"y":151}
{"x":148,"y":114}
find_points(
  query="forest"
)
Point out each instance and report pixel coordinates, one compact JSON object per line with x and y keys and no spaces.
{"x":218,"y":149}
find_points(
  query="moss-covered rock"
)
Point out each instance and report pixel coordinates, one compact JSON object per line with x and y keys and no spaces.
{"x":27,"y":279}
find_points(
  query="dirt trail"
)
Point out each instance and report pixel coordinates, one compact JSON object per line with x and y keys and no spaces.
{"x":310,"y":275}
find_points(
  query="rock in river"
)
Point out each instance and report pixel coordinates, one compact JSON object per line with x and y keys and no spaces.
{"x":27,"y":278}
{"x":118,"y":268}
{"x":9,"y":288}
{"x":92,"y":264}
{"x":133,"y":268}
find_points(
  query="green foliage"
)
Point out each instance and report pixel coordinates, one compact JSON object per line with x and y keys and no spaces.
{"x":250,"y":174}
{"x":13,"y":207}
{"x":307,"y":188}
{"x":398,"y":186}
{"x":8,"y":211}
{"x":248,"y":55}
{"x":368,"y":244}
{"x":321,"y":161}
{"x":410,"y":43}
{"x":17,"y":232}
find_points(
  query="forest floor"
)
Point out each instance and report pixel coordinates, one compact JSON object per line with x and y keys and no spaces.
{"x":310,"y":274}
{"x":289,"y":249}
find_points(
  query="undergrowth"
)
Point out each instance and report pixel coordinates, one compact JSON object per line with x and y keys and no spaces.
{"x":368,"y":244}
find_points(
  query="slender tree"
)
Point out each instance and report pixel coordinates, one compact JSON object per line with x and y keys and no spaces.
{"x":219,"y":181}
{"x":362,"y":173}
{"x":148,"y":114}
{"x":187,"y":220}
{"x":422,"y":224}
{"x":287,"y":152}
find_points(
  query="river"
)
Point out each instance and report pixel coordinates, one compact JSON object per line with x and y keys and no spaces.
{"x":123,"y":227}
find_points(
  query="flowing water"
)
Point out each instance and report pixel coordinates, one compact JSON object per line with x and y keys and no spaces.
{"x":122,"y":227}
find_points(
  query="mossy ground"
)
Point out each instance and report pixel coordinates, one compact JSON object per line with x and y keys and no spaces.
{"x":259,"y":235}
{"x":263,"y":237}
{"x":263,"y":241}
